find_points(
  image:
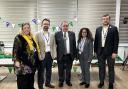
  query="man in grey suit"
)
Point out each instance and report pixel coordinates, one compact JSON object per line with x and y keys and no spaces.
{"x":66,"y":52}
{"x":47,"y":47}
{"x":106,"y":48}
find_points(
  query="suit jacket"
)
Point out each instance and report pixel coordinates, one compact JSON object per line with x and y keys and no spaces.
{"x":111,"y":42}
{"x":87,"y":50}
{"x":60,"y":44}
{"x":41,"y":44}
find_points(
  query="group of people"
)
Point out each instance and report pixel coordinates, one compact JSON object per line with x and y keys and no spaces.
{"x":37,"y":53}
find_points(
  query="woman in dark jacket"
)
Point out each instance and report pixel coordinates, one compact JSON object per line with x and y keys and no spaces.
{"x":85,"y":52}
{"x":25,"y":56}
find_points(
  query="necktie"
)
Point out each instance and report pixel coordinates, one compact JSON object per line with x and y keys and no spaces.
{"x":64,"y":35}
{"x":65,"y":46}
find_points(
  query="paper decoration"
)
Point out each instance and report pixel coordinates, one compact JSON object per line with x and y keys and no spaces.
{"x":53,"y":29}
{"x":38,"y":21}
{"x":35,"y":21}
{"x":71,"y":24}
{"x":20,"y":24}
{"x":13,"y":25}
{"x":8,"y":24}
{"x":10,"y":69}
{"x":57,"y":28}
{"x":75,"y":18}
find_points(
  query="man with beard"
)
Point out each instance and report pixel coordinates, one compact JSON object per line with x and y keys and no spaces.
{"x":47,"y":47}
{"x":106,"y":47}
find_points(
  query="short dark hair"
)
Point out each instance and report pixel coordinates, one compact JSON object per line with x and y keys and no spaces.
{"x":105,"y":15}
{"x":46,"y":19}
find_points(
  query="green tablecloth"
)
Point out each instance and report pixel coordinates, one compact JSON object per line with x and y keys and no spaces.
{"x":5,"y":56}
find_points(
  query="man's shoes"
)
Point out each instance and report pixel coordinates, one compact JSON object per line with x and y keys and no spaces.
{"x":87,"y":85}
{"x":50,"y":85}
{"x":69,"y":83}
{"x":100,"y":85}
{"x":82,"y":83}
{"x":60,"y":85}
{"x":110,"y":86}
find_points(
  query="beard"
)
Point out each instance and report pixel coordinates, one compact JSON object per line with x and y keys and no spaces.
{"x":46,"y":28}
{"x":106,"y":23}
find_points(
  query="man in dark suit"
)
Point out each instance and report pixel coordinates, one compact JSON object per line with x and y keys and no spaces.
{"x":106,"y":48}
{"x":66,"y":52}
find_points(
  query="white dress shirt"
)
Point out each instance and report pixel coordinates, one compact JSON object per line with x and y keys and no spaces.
{"x":104,"y":34}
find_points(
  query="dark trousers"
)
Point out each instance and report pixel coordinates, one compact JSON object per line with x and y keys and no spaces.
{"x":25,"y":81}
{"x":46,"y":64}
{"x":102,"y":67}
{"x":64,"y":68}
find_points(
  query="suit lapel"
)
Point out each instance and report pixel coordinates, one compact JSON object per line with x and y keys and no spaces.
{"x":69,"y":35}
{"x":70,"y":38}
{"x":100,"y":35}
{"x":42,"y":40}
{"x":51,"y":40}
{"x":61,"y":35}
{"x":41,"y":37}
{"x":100,"y":32}
{"x":109,"y":30}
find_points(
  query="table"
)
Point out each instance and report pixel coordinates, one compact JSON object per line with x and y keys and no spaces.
{"x":7,"y":62}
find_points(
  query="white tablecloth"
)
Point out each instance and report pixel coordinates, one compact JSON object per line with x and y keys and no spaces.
{"x":6,"y":61}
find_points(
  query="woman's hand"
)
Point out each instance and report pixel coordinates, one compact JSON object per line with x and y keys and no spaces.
{"x":17,"y":64}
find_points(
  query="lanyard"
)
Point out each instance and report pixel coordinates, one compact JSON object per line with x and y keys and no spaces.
{"x":45,"y":38}
{"x":104,"y":33}
{"x":81,"y":44}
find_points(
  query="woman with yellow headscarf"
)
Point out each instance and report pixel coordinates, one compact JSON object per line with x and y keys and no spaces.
{"x":25,"y":56}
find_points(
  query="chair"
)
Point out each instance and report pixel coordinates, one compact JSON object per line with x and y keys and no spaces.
{"x":124,"y":64}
